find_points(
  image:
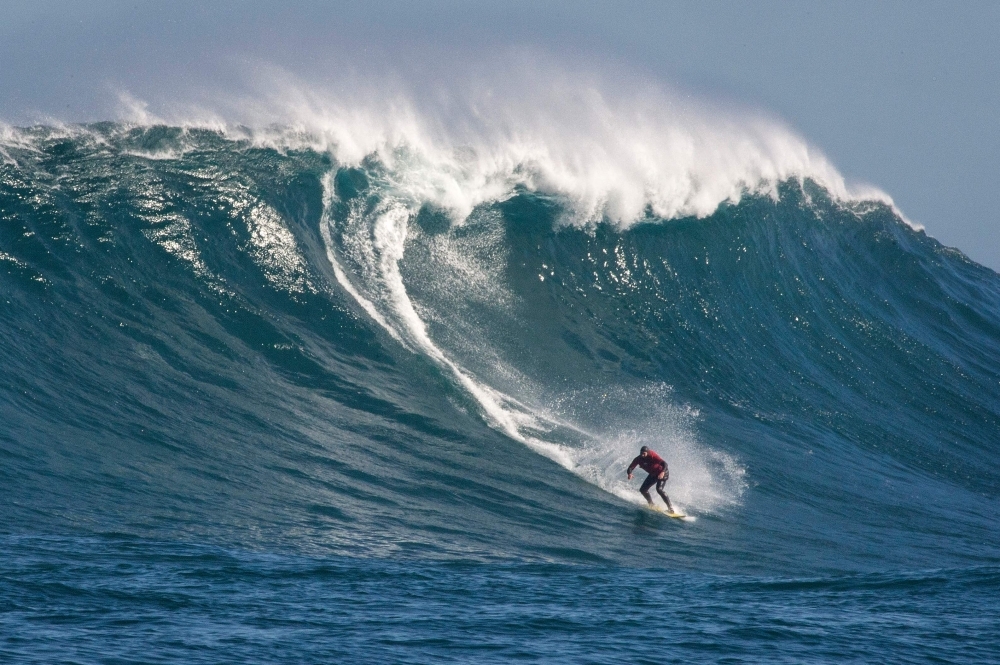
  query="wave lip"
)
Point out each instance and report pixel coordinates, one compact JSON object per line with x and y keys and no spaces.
{"x":613,"y":153}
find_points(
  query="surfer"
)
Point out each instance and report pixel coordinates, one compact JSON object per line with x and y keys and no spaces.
{"x":654,"y":465}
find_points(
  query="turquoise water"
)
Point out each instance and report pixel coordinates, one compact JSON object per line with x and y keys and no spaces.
{"x":259,"y":405}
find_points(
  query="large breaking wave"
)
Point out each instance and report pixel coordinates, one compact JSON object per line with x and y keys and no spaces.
{"x":356,"y":330}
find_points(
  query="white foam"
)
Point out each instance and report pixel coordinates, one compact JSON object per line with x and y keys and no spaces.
{"x":613,"y":152}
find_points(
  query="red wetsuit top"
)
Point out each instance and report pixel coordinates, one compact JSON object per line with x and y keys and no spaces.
{"x":652,"y":463}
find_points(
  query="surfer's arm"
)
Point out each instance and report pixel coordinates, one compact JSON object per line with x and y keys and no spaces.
{"x":631,"y":467}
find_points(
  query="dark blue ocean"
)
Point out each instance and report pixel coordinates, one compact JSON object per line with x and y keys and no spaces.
{"x":263,"y":405}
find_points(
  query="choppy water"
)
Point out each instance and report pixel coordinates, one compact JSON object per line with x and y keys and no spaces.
{"x":263,"y":405}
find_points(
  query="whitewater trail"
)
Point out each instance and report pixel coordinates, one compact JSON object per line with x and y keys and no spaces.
{"x":374,"y":243}
{"x":386,"y":247}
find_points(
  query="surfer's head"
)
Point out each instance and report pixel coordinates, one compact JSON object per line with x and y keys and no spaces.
{"x":644,"y":450}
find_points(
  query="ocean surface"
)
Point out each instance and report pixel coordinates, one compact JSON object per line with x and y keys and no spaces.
{"x":267,"y":401}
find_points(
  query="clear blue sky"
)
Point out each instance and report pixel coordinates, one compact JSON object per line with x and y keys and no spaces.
{"x":904,"y":96}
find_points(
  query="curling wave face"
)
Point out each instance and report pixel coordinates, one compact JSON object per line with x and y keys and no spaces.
{"x":357,"y":334}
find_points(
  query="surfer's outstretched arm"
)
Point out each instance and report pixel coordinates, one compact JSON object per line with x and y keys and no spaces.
{"x":631,"y":467}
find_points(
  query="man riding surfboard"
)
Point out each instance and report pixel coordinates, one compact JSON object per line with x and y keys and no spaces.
{"x":654,"y":465}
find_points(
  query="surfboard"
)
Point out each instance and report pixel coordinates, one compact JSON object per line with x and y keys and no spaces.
{"x":667,"y":513}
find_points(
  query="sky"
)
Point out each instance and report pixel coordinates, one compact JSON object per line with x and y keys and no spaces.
{"x":902,"y":96}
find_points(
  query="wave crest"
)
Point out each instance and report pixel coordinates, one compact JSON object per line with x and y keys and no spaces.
{"x":612,"y":153}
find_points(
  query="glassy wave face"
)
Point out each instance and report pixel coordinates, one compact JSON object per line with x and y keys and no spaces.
{"x":213,"y":340}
